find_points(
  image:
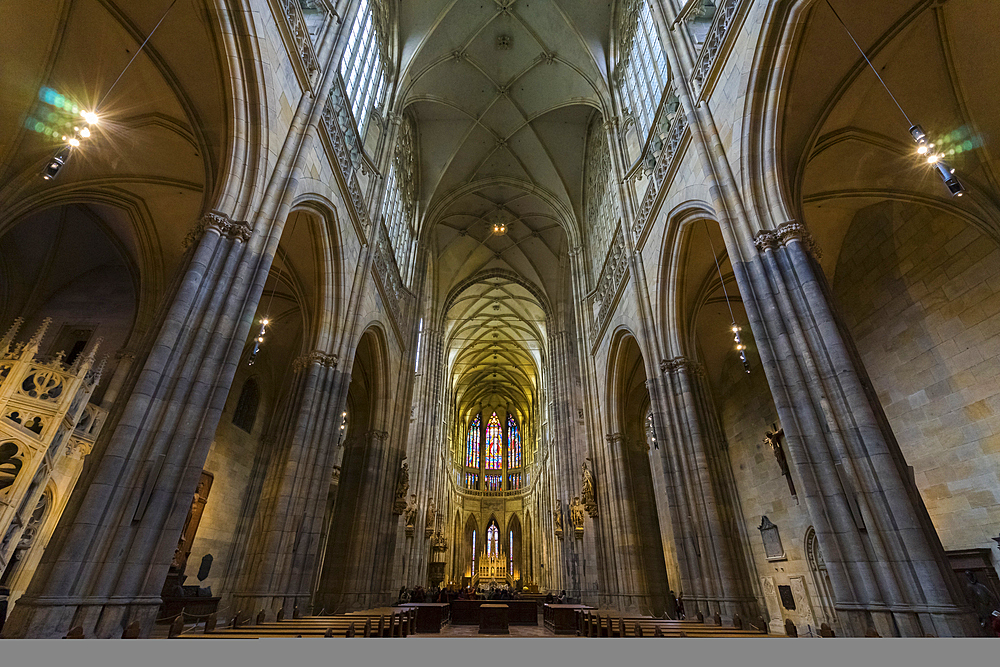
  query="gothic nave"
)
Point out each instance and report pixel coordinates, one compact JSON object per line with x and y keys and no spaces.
{"x":643,"y":304}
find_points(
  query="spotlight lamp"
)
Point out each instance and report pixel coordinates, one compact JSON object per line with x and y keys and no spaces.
{"x":56,"y":163}
{"x":258,"y":341}
{"x":935,"y":158}
{"x":741,"y":348}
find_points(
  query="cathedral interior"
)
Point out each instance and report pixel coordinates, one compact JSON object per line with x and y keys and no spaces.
{"x":307,"y":301}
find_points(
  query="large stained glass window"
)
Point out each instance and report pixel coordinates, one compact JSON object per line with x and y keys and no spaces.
{"x":493,"y":540}
{"x":513,"y":481}
{"x":472,"y":445}
{"x":510,"y":554}
{"x":493,"y":482}
{"x":494,"y":444}
{"x":513,"y":443}
{"x":471,"y":480}
{"x":362,"y":68}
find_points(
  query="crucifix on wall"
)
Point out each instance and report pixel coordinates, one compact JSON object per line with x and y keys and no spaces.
{"x":773,"y":440}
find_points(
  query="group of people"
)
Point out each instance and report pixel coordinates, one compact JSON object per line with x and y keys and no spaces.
{"x":453,"y":591}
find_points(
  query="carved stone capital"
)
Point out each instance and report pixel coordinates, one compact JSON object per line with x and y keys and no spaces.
{"x":677,"y":364}
{"x":239,"y":230}
{"x":615,"y":439}
{"x":778,"y":238}
{"x":314,"y":357}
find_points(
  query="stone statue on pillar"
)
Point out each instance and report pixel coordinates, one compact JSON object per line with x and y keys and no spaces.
{"x":589,"y":497}
{"x":429,"y":518}
{"x":402,"y":486}
{"x":576,"y":515}
{"x":557,"y":518}
{"x":411,"y":512}
{"x":773,"y":440}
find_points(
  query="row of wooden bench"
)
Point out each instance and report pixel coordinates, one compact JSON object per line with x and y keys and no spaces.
{"x":598,"y":624}
{"x":359,"y":624}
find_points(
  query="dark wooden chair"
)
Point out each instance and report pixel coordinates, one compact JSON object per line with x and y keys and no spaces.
{"x":295,"y":612}
{"x":329,"y":632}
{"x":350,"y":631}
{"x":261,"y":617}
{"x":281,"y":614}
{"x":657,"y":631}
{"x":700,"y":616}
{"x":176,"y":627}
{"x":637,"y":629}
{"x":211,"y":622}
{"x":718,"y":619}
{"x":368,"y":628}
{"x":790,"y":628}
{"x":737,"y":622}
{"x":826,"y":631}
{"x":237,"y":620}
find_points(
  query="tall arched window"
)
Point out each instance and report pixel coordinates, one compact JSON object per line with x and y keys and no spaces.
{"x":245,"y":413}
{"x":494,"y":444}
{"x":641,"y":74}
{"x":601,"y":205}
{"x":472,"y":445}
{"x":362,"y":67}
{"x":513,"y":443}
{"x":399,"y":205}
{"x":493,"y":540}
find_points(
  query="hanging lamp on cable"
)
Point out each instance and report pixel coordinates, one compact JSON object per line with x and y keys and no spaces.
{"x":926,"y":151}
{"x":741,"y":348}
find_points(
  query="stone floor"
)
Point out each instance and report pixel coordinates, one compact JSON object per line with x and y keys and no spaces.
{"x":473,"y":631}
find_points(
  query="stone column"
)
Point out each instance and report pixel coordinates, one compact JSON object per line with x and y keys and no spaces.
{"x":886,"y":563}
{"x":363,"y":526}
{"x":285,"y":545}
{"x":107,"y":560}
{"x":693,"y":461}
{"x":616,"y":523}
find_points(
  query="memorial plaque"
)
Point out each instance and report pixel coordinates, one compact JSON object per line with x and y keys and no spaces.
{"x":787,"y":599}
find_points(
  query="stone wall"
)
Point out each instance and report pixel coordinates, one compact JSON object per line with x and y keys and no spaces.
{"x":921,"y":294}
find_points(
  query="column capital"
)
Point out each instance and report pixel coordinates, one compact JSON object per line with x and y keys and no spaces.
{"x":784,"y":234}
{"x":677,"y":364}
{"x":315,"y":357}
{"x":226,"y":227}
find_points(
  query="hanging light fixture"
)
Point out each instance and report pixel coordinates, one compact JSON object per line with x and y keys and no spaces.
{"x":81,"y":132}
{"x":926,"y":151}
{"x":740,"y":347}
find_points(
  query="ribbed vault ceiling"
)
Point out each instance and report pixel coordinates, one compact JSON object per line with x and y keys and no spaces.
{"x":502,"y":92}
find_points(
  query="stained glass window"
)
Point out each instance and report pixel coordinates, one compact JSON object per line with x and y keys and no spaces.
{"x":361,"y":67}
{"x":513,"y":443}
{"x":472,"y":445}
{"x":494,"y":482}
{"x":493,"y":540}
{"x":471,"y":480}
{"x":473,"y":551}
{"x":510,"y":554}
{"x":513,"y":481}
{"x":642,"y":74}
{"x":494,"y":444}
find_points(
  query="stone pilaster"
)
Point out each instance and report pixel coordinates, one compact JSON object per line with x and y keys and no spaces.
{"x":694,"y":463}
{"x":280,"y":567}
{"x":618,"y":541}
{"x":886,"y":563}
{"x":109,"y":556}
{"x":362,"y":531}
